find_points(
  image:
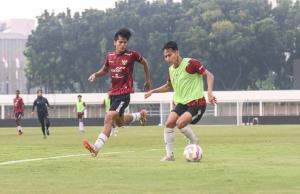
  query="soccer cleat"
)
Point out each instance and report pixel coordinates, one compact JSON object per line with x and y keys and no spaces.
{"x":90,"y":147}
{"x":167,"y":159}
{"x":20,"y":132}
{"x":48,"y":132}
{"x":45,"y":137}
{"x":143,"y":118}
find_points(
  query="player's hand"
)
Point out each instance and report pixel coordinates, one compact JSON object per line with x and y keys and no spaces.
{"x":32,"y":113}
{"x":148,"y":94}
{"x":211,"y":98}
{"x":147,"y":85}
{"x":92,"y":77}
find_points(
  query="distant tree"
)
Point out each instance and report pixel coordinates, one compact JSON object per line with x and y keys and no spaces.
{"x":247,"y":44}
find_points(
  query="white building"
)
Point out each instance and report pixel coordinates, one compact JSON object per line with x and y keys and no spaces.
{"x":13,"y":38}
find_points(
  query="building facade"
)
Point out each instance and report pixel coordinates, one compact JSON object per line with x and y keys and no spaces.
{"x":13,"y":38}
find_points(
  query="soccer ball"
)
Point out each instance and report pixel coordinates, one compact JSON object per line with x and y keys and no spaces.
{"x":192,"y":153}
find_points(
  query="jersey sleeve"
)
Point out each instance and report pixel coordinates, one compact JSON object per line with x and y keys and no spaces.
{"x":195,"y":66}
{"x":137,"y":56}
{"x":106,"y":64}
{"x":47,"y":103}
{"x":33,"y":106}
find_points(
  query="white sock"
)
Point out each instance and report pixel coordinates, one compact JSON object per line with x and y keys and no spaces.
{"x":169,"y":137}
{"x":20,"y":128}
{"x":114,"y":131}
{"x":102,"y":138}
{"x":81,"y":126}
{"x":188,"y":132}
{"x":136,"y":116}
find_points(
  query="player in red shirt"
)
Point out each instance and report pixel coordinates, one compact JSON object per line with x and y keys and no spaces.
{"x":119,"y":63}
{"x":18,"y":110}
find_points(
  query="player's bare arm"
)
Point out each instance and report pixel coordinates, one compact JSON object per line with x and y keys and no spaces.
{"x":147,"y":84}
{"x":104,"y":70}
{"x":164,"y":88}
{"x":210,"y":82}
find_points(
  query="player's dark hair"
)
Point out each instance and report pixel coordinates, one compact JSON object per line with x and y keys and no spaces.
{"x":39,"y":90}
{"x":170,"y":45}
{"x":79,"y":95}
{"x":17,"y":91}
{"x":124,"y":33}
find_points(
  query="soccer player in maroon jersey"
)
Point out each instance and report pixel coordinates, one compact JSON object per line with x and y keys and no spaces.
{"x":18,"y":110}
{"x":120,"y":64}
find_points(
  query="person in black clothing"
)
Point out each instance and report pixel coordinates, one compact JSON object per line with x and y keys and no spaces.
{"x":42,"y":105}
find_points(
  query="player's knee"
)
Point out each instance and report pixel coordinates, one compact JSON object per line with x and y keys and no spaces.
{"x":108,"y":118}
{"x":180,"y":124}
{"x":169,"y":124}
{"x":120,"y":124}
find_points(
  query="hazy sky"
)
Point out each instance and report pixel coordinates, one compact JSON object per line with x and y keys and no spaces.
{"x":29,"y":9}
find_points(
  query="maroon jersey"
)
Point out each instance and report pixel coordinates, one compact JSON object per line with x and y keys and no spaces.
{"x":18,"y":105}
{"x":121,"y":70}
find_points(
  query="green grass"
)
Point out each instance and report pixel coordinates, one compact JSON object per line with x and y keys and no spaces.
{"x":248,"y":159}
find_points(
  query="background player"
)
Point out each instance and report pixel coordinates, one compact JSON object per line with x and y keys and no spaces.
{"x":18,"y":111}
{"x":42,"y":105}
{"x":79,"y":109}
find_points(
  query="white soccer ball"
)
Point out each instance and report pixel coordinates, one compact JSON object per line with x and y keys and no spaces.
{"x":192,"y":153}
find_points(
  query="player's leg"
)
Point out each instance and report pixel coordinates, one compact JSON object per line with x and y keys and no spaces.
{"x":117,"y":108}
{"x":18,"y":117}
{"x":192,"y":115}
{"x":169,"y":136}
{"x":137,"y":116}
{"x":80,"y":119}
{"x":103,"y":136}
{"x":47,"y":121}
{"x":41,"y":120}
{"x":114,"y":130}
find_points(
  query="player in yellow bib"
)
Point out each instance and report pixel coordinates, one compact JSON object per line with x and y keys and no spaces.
{"x":186,"y":80}
{"x":79,"y":109}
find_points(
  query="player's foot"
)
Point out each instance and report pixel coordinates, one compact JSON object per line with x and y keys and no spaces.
{"x":196,"y":141}
{"x":143,"y":118}
{"x":90,"y":147}
{"x":48,"y":132}
{"x":167,"y":159}
{"x":45,"y":137}
{"x":20,"y":132}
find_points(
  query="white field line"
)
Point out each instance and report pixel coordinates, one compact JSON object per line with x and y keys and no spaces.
{"x":65,"y":156}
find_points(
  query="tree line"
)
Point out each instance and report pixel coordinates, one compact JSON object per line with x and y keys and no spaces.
{"x":247,"y":44}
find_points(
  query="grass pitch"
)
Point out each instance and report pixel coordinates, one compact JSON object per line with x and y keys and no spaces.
{"x":247,"y":159}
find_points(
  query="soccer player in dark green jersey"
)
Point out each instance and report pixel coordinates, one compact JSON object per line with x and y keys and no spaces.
{"x":186,"y":80}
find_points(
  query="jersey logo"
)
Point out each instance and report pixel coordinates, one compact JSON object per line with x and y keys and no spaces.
{"x":124,"y":62}
{"x":128,"y":54}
